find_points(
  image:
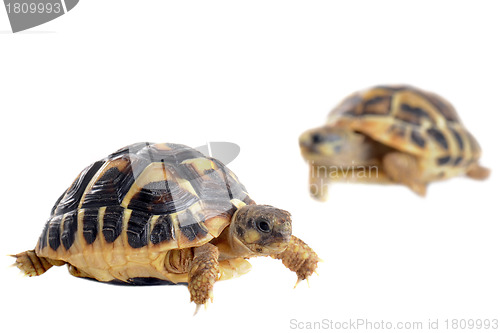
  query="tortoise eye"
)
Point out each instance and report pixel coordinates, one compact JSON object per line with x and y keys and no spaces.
{"x":263,"y":225}
{"x":317,"y":138}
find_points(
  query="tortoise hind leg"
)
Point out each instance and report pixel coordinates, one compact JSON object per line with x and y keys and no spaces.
{"x":32,"y":265}
{"x":403,"y":168}
{"x":478,"y":172}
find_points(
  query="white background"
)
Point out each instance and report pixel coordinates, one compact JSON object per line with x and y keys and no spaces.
{"x":257,"y":73}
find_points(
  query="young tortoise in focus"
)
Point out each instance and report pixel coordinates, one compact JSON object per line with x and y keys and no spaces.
{"x":391,"y":134}
{"x":163,"y":212}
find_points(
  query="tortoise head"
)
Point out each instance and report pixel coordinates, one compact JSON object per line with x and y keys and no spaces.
{"x":261,"y":229}
{"x":332,"y":146}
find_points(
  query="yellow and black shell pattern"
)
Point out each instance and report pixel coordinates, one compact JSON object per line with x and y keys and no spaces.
{"x":144,"y":197}
{"x":410,"y":120}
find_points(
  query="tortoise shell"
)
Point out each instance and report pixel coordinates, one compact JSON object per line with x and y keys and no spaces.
{"x":409,"y":120}
{"x":144,"y":197}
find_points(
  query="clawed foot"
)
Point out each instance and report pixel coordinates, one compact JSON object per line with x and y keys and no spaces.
{"x":315,"y":271}
{"x":299,"y":258}
{"x":203,"y":273}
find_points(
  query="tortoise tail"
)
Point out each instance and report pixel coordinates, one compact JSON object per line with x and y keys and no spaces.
{"x":31,"y":264}
{"x":478,"y":172}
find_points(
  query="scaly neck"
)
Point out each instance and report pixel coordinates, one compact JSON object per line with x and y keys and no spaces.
{"x":230,"y":246}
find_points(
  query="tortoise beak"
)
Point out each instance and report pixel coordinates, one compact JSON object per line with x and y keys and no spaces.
{"x":282,"y":234}
{"x":305,"y":141}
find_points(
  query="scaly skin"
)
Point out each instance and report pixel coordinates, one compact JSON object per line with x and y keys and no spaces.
{"x":33,"y":265}
{"x":203,"y":273}
{"x":299,"y":258}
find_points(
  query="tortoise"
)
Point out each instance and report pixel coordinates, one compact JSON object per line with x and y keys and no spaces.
{"x":163,"y":213}
{"x":391,"y":134}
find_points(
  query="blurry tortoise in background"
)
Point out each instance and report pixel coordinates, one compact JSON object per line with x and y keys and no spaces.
{"x":391,"y":134}
{"x":150,"y":213}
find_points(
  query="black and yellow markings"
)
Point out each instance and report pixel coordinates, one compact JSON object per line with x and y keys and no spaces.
{"x":458,"y":160}
{"x":209,"y":186}
{"x":378,"y":105}
{"x":162,"y":197}
{"x":412,"y":114}
{"x":60,"y":229}
{"x":119,"y":175}
{"x":443,"y":160}
{"x":417,"y":138}
{"x":163,"y":230}
{"x":196,"y":170}
{"x":458,"y":139}
{"x":54,"y":232}
{"x":190,"y":226}
{"x":438,"y":137}
{"x":90,"y":227}
{"x":197,"y":179}
{"x":112,"y":223}
{"x":74,"y":193}
{"x":455,"y":142}
{"x":185,"y":153}
{"x":69,"y":229}
{"x":138,"y":229}
{"x":153,"y":197}
{"x":206,"y":178}
{"x":156,"y":191}
{"x":108,"y":189}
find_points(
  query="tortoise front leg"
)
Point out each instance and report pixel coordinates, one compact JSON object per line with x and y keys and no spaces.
{"x":299,"y":258}
{"x":203,"y":273}
{"x":403,"y":168}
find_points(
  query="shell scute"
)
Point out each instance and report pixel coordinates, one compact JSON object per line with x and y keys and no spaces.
{"x":90,"y":224}
{"x":112,"y":223}
{"x":54,"y":233}
{"x":110,"y":185}
{"x":138,"y":228}
{"x":69,"y":229}
{"x":191,"y":229}
{"x":163,"y":230}
{"x":418,"y":139}
{"x":438,"y":137}
{"x":71,"y":198}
